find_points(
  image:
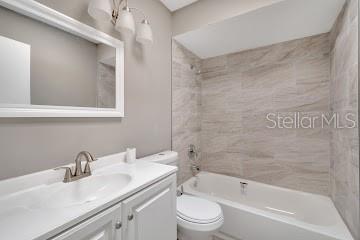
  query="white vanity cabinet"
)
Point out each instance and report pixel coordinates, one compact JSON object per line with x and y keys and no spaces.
{"x":151,"y":214}
{"x":103,"y":226}
{"x":147,"y":215}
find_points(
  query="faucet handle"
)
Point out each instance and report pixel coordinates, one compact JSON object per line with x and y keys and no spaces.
{"x":68,"y":173}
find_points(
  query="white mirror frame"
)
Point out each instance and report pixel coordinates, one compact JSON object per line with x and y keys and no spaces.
{"x":51,"y":17}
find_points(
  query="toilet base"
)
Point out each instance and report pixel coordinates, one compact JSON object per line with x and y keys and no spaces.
{"x":187,"y":234}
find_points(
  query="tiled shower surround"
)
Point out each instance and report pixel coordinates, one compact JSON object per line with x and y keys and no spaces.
{"x":239,"y":90}
{"x":106,"y":81}
{"x":224,"y":112}
{"x":344,"y":160}
{"x":185,"y":106}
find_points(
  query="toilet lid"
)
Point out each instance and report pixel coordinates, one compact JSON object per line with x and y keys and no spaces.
{"x":198,"y":210}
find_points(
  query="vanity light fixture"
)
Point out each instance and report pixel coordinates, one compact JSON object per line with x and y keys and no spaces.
{"x":122,"y":18}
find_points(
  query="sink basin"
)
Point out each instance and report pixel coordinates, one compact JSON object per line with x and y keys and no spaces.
{"x":84,"y":191}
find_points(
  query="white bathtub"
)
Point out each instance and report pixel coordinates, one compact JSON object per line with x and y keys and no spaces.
{"x":265,"y":212}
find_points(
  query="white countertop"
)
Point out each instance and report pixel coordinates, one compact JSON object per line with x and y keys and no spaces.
{"x":23,"y":218}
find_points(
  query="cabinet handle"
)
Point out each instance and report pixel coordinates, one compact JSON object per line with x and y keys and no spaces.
{"x":131,"y":217}
{"x":118,"y":225}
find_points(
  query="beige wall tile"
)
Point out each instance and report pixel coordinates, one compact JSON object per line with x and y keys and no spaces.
{"x":344,"y":153}
{"x":186,"y":122}
{"x":241,"y":90}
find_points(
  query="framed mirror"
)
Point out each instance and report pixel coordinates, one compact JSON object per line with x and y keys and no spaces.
{"x":54,"y":66}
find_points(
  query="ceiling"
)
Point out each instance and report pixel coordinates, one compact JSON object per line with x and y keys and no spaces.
{"x":174,"y":5}
{"x":279,"y":22}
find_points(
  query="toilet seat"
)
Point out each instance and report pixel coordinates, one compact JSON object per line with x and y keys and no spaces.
{"x":198,"y":214}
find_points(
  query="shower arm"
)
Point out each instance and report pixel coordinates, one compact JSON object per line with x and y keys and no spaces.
{"x":116,"y":10}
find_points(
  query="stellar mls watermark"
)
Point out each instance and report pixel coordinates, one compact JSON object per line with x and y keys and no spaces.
{"x":298,"y":120}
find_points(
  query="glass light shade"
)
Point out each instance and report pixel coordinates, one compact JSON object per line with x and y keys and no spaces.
{"x":144,"y":34}
{"x":125,"y":22}
{"x":100,"y":10}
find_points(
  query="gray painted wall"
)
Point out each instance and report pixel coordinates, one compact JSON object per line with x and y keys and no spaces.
{"x":29,"y":145}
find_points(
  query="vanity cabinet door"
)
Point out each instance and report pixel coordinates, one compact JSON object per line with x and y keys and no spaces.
{"x":104,"y":226}
{"x":151,"y":214}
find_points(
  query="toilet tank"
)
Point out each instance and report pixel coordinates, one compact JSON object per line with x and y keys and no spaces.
{"x":167,"y":158}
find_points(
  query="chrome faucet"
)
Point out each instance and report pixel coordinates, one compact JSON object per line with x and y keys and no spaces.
{"x":192,"y":152}
{"x":79,"y":173}
{"x":89,"y":158}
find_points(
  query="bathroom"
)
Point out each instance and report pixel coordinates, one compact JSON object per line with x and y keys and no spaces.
{"x":179,"y":119}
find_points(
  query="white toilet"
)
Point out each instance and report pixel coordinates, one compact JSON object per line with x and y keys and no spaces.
{"x":197,"y":218}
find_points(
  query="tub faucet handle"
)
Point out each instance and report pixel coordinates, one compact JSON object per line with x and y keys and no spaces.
{"x":192,"y":152}
{"x":68,"y":173}
{"x":195,"y":168}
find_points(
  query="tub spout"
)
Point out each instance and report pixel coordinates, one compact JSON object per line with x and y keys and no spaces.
{"x":181,"y":191}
